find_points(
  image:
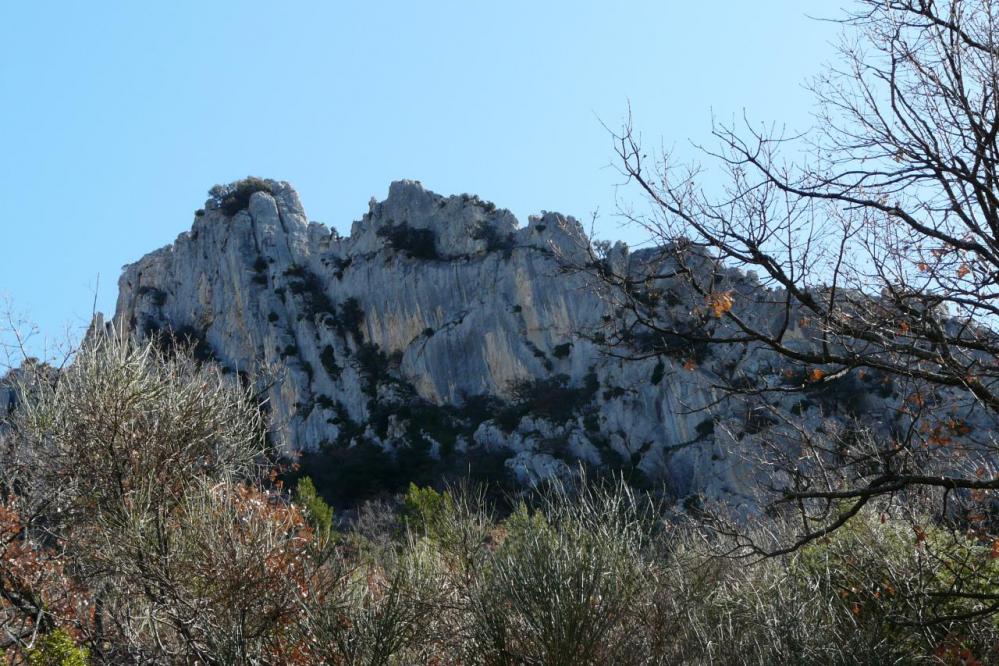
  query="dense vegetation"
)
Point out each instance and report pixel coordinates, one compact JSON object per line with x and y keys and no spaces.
{"x":140,"y":523}
{"x":416,"y":243}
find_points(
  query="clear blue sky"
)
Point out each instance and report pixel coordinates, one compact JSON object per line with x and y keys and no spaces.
{"x":116,"y":117}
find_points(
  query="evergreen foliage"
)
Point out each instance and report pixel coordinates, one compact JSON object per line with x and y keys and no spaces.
{"x":234,"y":197}
{"x":317,"y":511}
{"x":58,"y":649}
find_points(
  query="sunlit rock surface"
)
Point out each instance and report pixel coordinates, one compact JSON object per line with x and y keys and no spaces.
{"x":442,"y":321}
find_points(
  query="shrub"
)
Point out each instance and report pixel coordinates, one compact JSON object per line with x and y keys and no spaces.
{"x":239,"y":556}
{"x":551,"y":398}
{"x":563,"y":350}
{"x":382,"y":615}
{"x":372,"y":364}
{"x":460,"y":522}
{"x":350,"y":317}
{"x":685,"y":345}
{"x":310,"y":288}
{"x":346,"y":474}
{"x":416,"y":243}
{"x":157,"y":295}
{"x":234,"y":197}
{"x":658,"y":372}
{"x":58,"y":649}
{"x":883,"y":578}
{"x":873,"y":593}
{"x":424,"y":509}
{"x":127,"y":457}
{"x":560,"y":588}
{"x":495,"y":241}
{"x":340,"y":265}
{"x":328,"y":359}
{"x":184,"y":341}
{"x":317,"y":511}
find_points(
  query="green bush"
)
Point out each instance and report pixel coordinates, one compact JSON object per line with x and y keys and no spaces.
{"x":317,"y":511}
{"x":563,"y":350}
{"x":873,"y":592}
{"x":58,"y":649}
{"x":882,"y":578}
{"x":310,"y":288}
{"x":350,"y":316}
{"x":382,"y":615}
{"x":416,"y":243}
{"x":658,"y":372}
{"x":495,"y":241}
{"x":561,"y":587}
{"x":348,"y":474}
{"x":234,"y":197}
{"x":328,"y":359}
{"x":551,"y":398}
{"x":425,"y":509}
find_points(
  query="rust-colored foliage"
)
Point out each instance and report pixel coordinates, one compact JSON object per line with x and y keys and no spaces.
{"x":36,"y":593}
{"x":719,"y":302}
{"x":952,"y":653}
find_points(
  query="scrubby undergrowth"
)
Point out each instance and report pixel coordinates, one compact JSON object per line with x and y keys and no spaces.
{"x":138,"y":525}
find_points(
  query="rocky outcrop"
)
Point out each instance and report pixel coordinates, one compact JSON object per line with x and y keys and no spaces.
{"x":441,"y":328}
{"x":8,"y":394}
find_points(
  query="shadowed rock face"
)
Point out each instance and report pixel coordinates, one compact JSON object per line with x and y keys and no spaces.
{"x":440,"y":326}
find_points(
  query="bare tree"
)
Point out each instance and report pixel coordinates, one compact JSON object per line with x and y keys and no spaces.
{"x":875,"y":238}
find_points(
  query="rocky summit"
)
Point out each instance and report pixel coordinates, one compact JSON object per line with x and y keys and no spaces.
{"x":441,"y":334}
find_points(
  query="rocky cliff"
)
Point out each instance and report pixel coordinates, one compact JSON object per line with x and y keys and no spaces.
{"x":441,"y":331}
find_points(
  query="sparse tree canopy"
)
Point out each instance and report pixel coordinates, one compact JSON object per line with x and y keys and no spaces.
{"x":878,"y":233}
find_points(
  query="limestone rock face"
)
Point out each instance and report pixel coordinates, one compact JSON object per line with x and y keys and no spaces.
{"x":441,"y":323}
{"x":21,"y":381}
{"x":8,"y":395}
